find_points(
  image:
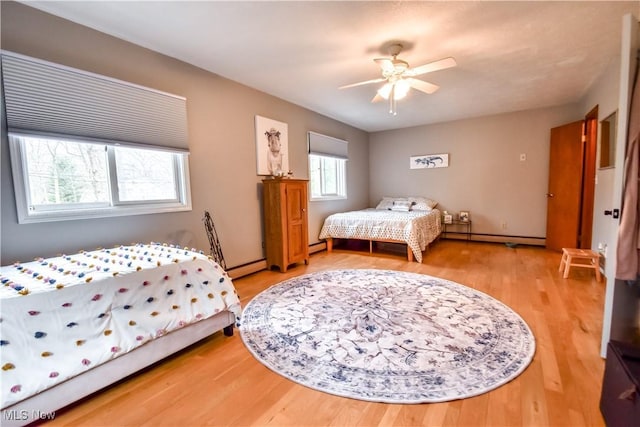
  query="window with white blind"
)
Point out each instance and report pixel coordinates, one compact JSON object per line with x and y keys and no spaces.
{"x":327,"y":167}
{"x":85,"y":145}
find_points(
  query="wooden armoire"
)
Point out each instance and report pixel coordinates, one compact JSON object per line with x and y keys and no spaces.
{"x":285,"y":222}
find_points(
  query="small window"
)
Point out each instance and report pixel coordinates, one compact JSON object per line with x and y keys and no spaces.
{"x":60,"y":179}
{"x":327,"y":177}
{"x":144,"y":175}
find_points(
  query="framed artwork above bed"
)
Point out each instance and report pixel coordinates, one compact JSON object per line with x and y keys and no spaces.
{"x":429,"y":161}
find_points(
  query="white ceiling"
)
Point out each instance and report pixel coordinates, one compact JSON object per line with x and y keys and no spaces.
{"x":511,"y":55}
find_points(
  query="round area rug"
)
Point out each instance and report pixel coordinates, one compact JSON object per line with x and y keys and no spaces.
{"x":386,"y":336}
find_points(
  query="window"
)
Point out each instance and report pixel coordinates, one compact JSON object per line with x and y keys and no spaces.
{"x":327,"y":167}
{"x":327,"y":177}
{"x":58,"y":179}
{"x":85,"y":145}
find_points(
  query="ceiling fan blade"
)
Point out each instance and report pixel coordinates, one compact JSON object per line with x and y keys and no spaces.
{"x":422,"y":86}
{"x":431,"y":67}
{"x":385,"y":63}
{"x":363,"y":83}
{"x":377,"y":98}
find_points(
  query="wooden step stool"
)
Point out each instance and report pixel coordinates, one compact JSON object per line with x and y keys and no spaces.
{"x":586,"y":258}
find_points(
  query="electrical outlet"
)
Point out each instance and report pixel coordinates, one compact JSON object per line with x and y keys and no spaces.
{"x":504,"y":225}
{"x":602,"y":248}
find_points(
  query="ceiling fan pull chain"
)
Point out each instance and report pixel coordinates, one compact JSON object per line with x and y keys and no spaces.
{"x":392,"y":100}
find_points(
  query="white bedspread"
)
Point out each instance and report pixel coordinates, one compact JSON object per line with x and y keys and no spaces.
{"x":62,"y":316}
{"x":416,"y":228}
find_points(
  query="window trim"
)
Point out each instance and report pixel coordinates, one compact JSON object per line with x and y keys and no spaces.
{"x":91,"y":210}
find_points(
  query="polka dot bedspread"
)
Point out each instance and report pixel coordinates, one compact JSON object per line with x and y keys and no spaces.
{"x":62,"y":316}
{"x":416,"y":228}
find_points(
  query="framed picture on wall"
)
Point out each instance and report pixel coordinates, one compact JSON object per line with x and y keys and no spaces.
{"x":272,"y":147}
{"x":429,"y":161}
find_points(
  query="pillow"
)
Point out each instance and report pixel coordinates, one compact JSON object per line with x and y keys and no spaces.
{"x":422,"y":203}
{"x":401,"y":205}
{"x":387,"y":202}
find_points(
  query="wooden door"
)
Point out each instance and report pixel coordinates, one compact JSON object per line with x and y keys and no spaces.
{"x":564,"y":197}
{"x":298,"y":246}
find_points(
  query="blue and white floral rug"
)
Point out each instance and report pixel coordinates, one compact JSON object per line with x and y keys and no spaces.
{"x":386,"y":336}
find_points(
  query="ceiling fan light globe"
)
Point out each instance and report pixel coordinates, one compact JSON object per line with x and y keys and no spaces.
{"x":401,"y":89}
{"x":385,"y":90}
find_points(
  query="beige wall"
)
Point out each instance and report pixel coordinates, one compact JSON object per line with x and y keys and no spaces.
{"x":221,"y":139}
{"x":485,"y":173}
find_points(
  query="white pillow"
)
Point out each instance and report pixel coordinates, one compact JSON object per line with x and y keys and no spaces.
{"x":401,"y":205}
{"x":422,"y":204}
{"x":387,"y":203}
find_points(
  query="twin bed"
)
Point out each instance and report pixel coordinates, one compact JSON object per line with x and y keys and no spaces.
{"x":73,"y":324}
{"x":413,"y":221}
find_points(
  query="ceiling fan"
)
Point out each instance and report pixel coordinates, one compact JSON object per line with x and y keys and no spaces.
{"x":399,"y":77}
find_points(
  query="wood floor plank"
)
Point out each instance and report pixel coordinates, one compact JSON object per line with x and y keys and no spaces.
{"x":218,"y":382}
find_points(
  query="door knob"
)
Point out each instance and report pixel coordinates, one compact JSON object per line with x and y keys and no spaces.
{"x":615,"y":213}
{"x":549,"y":194}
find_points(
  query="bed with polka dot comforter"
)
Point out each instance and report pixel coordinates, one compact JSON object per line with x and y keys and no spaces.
{"x":62,"y":316}
{"x":415,"y":228}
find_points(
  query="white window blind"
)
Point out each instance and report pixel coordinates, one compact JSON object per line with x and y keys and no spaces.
{"x":322,"y":145}
{"x":46,"y":98}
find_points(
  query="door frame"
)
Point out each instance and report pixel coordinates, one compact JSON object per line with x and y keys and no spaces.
{"x":590,"y":135}
{"x":629,"y":47}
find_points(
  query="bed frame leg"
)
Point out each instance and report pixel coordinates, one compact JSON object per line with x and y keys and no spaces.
{"x":228,"y":331}
{"x":329,"y":244}
{"x":409,"y":254}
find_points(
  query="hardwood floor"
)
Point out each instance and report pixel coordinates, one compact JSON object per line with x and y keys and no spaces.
{"x":217,"y":382}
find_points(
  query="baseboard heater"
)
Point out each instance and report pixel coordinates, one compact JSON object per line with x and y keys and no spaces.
{"x":499,"y":238}
{"x":261,"y":264}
